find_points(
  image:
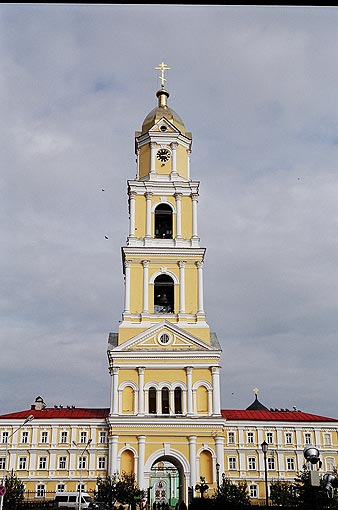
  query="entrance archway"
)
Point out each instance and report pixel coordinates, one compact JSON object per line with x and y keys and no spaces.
{"x":166,"y":483}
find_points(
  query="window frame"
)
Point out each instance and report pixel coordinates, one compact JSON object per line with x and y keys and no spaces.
{"x":232,"y":463}
{"x":22,"y":463}
{"x":290,"y":464}
{"x":252,"y":463}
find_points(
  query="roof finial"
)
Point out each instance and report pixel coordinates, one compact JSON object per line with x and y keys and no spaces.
{"x":256,"y":391}
{"x":162,"y":67}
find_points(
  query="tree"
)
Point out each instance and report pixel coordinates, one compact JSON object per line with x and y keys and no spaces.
{"x":15,"y":491}
{"x":307,"y":493}
{"x":106,"y":490}
{"x":283,"y":493}
{"x":231,"y":495}
{"x":127,"y":490}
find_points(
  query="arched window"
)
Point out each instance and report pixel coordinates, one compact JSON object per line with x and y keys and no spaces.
{"x":128,"y":400}
{"x":163,"y":222}
{"x":178,"y":400}
{"x":165,"y":400}
{"x":152,"y":400}
{"x":163,"y":294}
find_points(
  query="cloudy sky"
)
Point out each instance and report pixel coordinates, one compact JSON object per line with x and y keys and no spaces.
{"x":257,"y":86}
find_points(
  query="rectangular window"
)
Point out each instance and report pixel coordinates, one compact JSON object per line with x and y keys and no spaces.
{"x":44,"y":437}
{"x":102,"y":463}
{"x":62,"y":462}
{"x":327,"y":439}
{"x":253,"y":491}
{"x":4,"y":437}
{"x":307,"y":438}
{"x":251,"y":463}
{"x":60,"y":487}
{"x":290,"y":464}
{"x":232,"y":462}
{"x":231,"y":437}
{"x":40,"y":490}
{"x":329,"y":463}
{"x":288,"y":438}
{"x":269,"y":437}
{"x":83,"y":437}
{"x":2,"y":463}
{"x":82,"y":462}
{"x":64,"y":437}
{"x":24,"y":437}
{"x":271,"y":463}
{"x":42,"y":463}
{"x":250,"y":437}
{"x":103,"y":437}
{"x":22,"y":463}
{"x":83,"y":489}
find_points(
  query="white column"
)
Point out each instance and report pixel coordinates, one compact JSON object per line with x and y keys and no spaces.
{"x":200,"y":287}
{"x":132,"y":198}
{"x":152,"y":157}
{"x":113,"y":444}
{"x":219,"y":441}
{"x":127,"y":265}
{"x":192,"y":460}
{"x":173,"y":158}
{"x":141,"y":460}
{"x":148,"y":196}
{"x":145,"y":264}
{"x":189,"y":390}
{"x":194,"y":198}
{"x":178,"y":197}
{"x":171,"y":401}
{"x":216,"y":398}
{"x":138,"y":163}
{"x":210,"y":406}
{"x":182,"y":286}
{"x":188,"y":166}
{"x":158,"y":402}
{"x":141,"y":390}
{"x":115,"y":401}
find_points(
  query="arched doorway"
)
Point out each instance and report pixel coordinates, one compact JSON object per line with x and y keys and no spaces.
{"x":166,"y":484}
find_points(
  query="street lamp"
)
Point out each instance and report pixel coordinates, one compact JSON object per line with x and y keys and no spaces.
{"x":217,"y":475}
{"x":264,"y":446}
{"x":2,"y":485}
{"x":80,"y":468}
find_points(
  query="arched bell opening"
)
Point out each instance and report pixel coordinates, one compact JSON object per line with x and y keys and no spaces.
{"x":163,"y":294}
{"x":163,"y":222}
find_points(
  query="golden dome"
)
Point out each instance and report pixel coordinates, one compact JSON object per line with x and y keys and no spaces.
{"x":162,"y":110}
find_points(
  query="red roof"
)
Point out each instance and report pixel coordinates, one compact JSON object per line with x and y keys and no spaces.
{"x":64,"y":413}
{"x":261,"y":415}
{"x":77,"y":413}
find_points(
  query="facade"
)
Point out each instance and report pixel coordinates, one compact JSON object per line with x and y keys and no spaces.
{"x":165,"y":421}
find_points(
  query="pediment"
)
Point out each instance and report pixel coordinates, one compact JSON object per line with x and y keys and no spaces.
{"x":164,"y":336}
{"x":163,"y":122}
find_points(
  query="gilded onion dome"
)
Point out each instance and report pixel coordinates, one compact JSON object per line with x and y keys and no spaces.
{"x":162,"y":110}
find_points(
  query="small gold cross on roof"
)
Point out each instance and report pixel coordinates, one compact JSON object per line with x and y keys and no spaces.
{"x":255,"y":390}
{"x":162,"y":67}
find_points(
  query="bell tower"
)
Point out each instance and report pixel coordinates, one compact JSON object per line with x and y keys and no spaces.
{"x":164,"y":361}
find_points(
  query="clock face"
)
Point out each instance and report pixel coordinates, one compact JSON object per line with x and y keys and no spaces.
{"x":163,"y":155}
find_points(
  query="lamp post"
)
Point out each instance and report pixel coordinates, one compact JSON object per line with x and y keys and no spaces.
{"x":80,"y":469}
{"x":264,"y":446}
{"x":2,"y":485}
{"x":217,"y":475}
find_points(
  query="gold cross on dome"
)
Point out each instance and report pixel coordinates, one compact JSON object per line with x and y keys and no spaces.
{"x":162,"y":67}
